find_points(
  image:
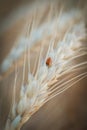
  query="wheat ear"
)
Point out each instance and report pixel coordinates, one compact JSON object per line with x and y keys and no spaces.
{"x":43,"y":82}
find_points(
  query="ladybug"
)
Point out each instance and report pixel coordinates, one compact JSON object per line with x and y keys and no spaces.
{"x":49,"y":62}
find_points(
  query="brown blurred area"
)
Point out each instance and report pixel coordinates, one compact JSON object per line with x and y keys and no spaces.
{"x":67,"y":111}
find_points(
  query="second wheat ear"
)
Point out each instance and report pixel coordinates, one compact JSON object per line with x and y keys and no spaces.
{"x":43,"y":86}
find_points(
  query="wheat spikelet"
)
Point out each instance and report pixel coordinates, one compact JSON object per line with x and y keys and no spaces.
{"x":43,"y":80}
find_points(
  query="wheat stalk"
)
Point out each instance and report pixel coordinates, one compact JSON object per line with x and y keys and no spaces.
{"x":43,"y":82}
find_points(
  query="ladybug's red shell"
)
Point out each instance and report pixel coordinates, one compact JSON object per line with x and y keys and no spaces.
{"x":49,"y":61}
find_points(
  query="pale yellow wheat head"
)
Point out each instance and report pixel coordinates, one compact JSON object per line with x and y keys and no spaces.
{"x":50,"y":47}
